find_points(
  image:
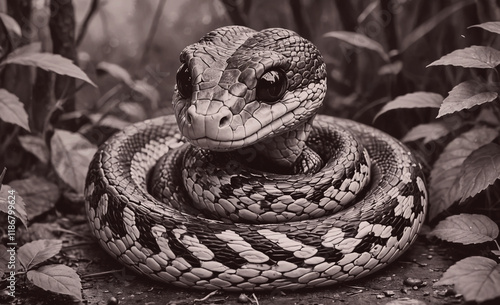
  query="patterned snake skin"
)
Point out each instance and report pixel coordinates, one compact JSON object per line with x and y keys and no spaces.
{"x":246,"y":188}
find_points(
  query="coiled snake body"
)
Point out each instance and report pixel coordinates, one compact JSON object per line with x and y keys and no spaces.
{"x":257,"y":192}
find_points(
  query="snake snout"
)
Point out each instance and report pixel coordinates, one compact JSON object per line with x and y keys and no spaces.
{"x":215,"y":127}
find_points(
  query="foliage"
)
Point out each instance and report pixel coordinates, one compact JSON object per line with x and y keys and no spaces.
{"x":468,"y":165}
{"x":54,"y":277}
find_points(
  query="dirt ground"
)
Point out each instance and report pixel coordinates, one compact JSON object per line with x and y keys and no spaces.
{"x":424,"y":261}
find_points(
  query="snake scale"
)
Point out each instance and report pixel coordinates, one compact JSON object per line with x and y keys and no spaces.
{"x":245,"y":188}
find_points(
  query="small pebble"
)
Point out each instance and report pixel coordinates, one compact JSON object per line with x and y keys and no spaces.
{"x":380,"y":296}
{"x":412,"y":282}
{"x":389,"y":293}
{"x":243,"y":298}
{"x":429,"y":256}
{"x":426,"y":293}
{"x":113,"y":301}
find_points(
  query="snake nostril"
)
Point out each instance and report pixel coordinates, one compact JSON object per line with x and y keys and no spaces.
{"x":224,"y":121}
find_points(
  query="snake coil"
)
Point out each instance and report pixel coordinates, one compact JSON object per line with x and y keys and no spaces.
{"x":245,"y":188}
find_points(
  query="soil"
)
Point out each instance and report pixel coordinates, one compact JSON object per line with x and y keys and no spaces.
{"x":105,"y":281}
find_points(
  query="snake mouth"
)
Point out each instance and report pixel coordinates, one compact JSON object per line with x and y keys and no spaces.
{"x":225,"y":138}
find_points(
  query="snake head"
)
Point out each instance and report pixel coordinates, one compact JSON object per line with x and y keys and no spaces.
{"x":237,"y":86}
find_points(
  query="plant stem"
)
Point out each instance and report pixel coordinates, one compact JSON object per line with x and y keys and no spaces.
{"x":152,"y":30}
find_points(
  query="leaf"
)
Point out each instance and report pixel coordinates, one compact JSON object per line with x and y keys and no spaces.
{"x":466,"y":229}
{"x":418,"y":99}
{"x":38,"y":251}
{"x":11,"y":25}
{"x":36,"y":146}
{"x":465,"y":96}
{"x":39,"y":194}
{"x":446,"y":169}
{"x":50,"y":62}
{"x":479,"y":170}
{"x":477,"y":278}
{"x":493,"y":26}
{"x":19,"y":205}
{"x":116,"y":71}
{"x":391,"y":69}
{"x":12,"y":110}
{"x":429,"y":132}
{"x":148,"y":91}
{"x":57,"y":278}
{"x":359,"y":40}
{"x":71,"y":154}
{"x":471,"y":57}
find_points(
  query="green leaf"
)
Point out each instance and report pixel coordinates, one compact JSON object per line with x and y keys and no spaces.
{"x":9,"y":195}
{"x":471,"y":57}
{"x":71,"y":154}
{"x":477,"y":278}
{"x":446,"y":169}
{"x":466,"y":229}
{"x":50,"y":62}
{"x":38,"y":251}
{"x":36,"y":146}
{"x":479,"y":170}
{"x":359,"y":40}
{"x":493,"y":26}
{"x":419,"y":99}
{"x":57,"y":278}
{"x":429,"y":132}
{"x":39,"y":194}
{"x":465,"y":96}
{"x":12,"y":110}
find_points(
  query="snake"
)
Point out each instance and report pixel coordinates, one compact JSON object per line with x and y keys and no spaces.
{"x":245,"y":187}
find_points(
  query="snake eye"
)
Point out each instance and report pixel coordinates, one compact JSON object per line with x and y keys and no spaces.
{"x":271,"y":86}
{"x":184,"y":80}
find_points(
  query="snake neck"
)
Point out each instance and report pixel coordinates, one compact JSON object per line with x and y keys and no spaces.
{"x":284,"y":152}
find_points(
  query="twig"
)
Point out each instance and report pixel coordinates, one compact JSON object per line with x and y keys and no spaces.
{"x":2,"y":175}
{"x":255,"y":298}
{"x":206,"y":297}
{"x":86,"y":21}
{"x":152,"y":30}
{"x":100,"y":273}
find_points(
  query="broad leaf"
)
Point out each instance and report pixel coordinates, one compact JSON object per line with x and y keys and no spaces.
{"x":50,"y":62}
{"x":471,"y":57}
{"x":413,"y":100}
{"x":38,"y":251}
{"x":479,"y":170}
{"x":39,"y":194}
{"x":148,"y":91}
{"x":493,"y":26}
{"x":12,"y":110}
{"x":9,"y":197}
{"x":359,"y":40}
{"x":466,"y":229}
{"x":391,"y":69}
{"x":465,"y":96}
{"x":57,"y":278}
{"x":71,"y":154}
{"x":477,"y":278}
{"x":446,"y":169}
{"x":429,"y":132}
{"x":11,"y":25}
{"x":36,"y":146}
{"x":116,"y":71}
